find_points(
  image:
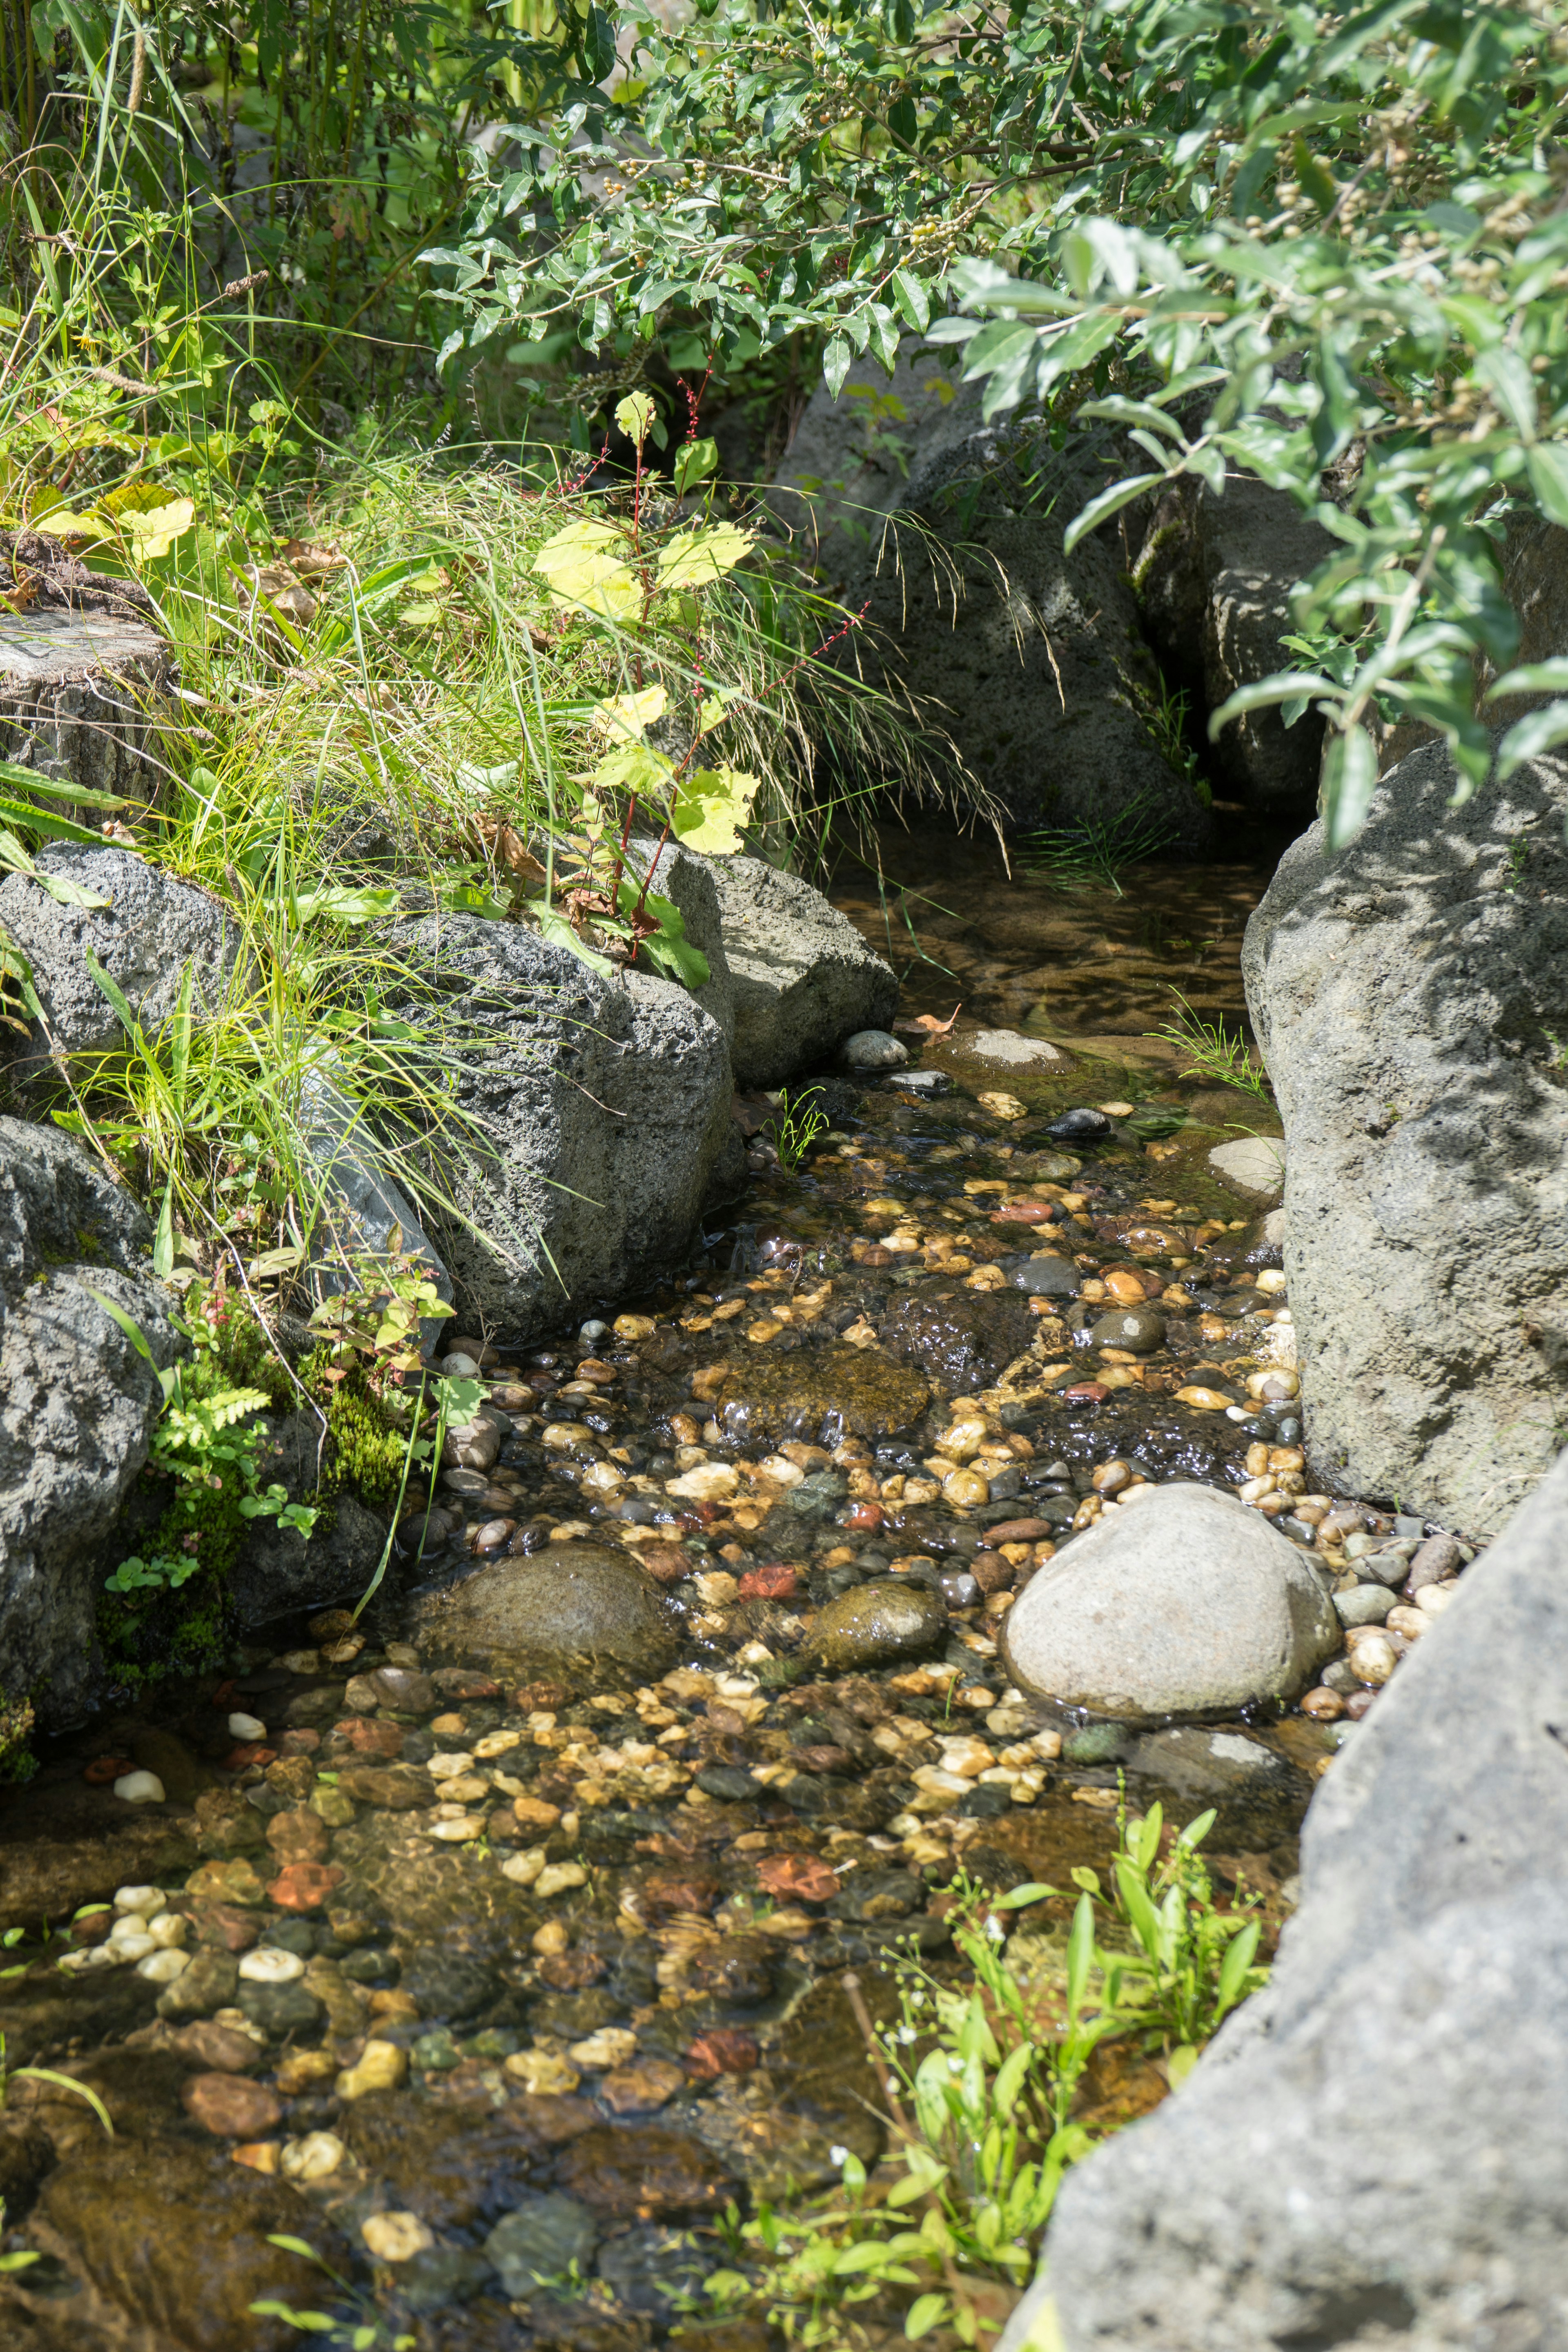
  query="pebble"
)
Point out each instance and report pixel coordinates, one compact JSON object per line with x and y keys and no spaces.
{"x":544,"y":2072}
{"x":397,"y":2237}
{"x":143,"y":1901}
{"x":316,"y":2157}
{"x":140,"y":1789}
{"x":231,"y":2107}
{"x":161,"y":1968}
{"x":246,"y":1727}
{"x":1374,"y":1659}
{"x":268,"y":1966}
{"x":872,"y":1049}
{"x":381,"y":2066}
{"x":1363,"y":1604}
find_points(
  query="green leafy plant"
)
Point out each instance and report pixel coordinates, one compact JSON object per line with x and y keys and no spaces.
{"x":1097,"y":851}
{"x":1209,"y":1050}
{"x":794,"y":1127}
{"x":362,"y":2331}
{"x":981,"y":2077}
{"x":61,"y":2083}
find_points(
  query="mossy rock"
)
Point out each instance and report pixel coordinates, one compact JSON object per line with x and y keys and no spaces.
{"x":822,"y":1394}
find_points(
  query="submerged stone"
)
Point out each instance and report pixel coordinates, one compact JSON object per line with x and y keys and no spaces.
{"x":570,"y":1600}
{"x":965,"y":1338}
{"x":877,"y":1622}
{"x":822,"y":1394}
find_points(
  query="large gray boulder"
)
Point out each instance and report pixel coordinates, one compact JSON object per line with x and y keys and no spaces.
{"x":948,"y":530}
{"x":1185,"y":1604}
{"x":1214,"y":577}
{"x":77,"y":1403}
{"x":152,"y":929}
{"x":1372,"y":2151}
{"x":802,"y":979}
{"x":599,"y":1108}
{"x":1410,"y":994}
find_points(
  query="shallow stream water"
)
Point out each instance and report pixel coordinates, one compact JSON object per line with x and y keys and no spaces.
{"x":495,"y":1979}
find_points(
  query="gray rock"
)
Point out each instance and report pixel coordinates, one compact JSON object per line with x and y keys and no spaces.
{"x":875,"y":1623}
{"x":1047,"y":1276}
{"x":1185,"y":1604}
{"x":1253,"y":1164}
{"x":1214,"y":577}
{"x":800,"y":978}
{"x":1011,"y":1048}
{"x":874,"y":1049}
{"x":78,"y":1403}
{"x":1408,"y":992}
{"x":1033,"y":659}
{"x":279,"y":1570}
{"x":540,"y":2241}
{"x":1139,"y":1329}
{"x":1373,"y":2150}
{"x":144,"y":938}
{"x":362,"y":1204}
{"x":1430,"y":1562}
{"x":1200,"y":1767}
{"x":1363,"y":1604}
{"x":601,"y":1109}
{"x":570,"y":1600}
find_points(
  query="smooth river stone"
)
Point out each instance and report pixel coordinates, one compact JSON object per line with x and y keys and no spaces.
{"x":570,"y":1600}
{"x":875,"y":1623}
{"x":1189,"y":1604}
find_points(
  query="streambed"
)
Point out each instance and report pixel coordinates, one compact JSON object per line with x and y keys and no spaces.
{"x":496,"y":1977}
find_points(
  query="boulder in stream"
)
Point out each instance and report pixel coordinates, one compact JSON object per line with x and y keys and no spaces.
{"x":1185,"y":1604}
{"x":1373,"y":2149}
{"x":580,"y":1600}
{"x":1410,"y":994}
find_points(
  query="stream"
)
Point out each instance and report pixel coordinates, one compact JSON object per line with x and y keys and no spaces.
{"x":497,"y":1980}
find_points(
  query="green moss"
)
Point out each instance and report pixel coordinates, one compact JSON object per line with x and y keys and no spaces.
{"x":368,"y":1446}
{"x":159,"y":1630}
{"x":18,"y":1761}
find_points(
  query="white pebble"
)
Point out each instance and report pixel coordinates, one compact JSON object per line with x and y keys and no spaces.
{"x":96,"y":1956}
{"x":592,"y":1330}
{"x":447,"y":1766}
{"x":1433,"y":1599}
{"x":163,"y":1966}
{"x":246,"y":1726}
{"x":129,"y":1947}
{"x":146,"y":1899}
{"x":168,"y":1928}
{"x":314,"y":2157}
{"x":140,"y":1789}
{"x":266,"y":1965}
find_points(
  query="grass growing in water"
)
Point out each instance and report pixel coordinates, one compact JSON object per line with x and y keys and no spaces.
{"x":1095,"y":853}
{"x":1210,"y":1050}
{"x":980,"y":2077}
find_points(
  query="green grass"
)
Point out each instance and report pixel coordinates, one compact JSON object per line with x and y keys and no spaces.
{"x":1097,"y":851}
{"x":1209,"y":1050}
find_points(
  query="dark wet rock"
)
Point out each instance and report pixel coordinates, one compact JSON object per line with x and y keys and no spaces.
{"x":875,"y":1623}
{"x":1187,"y":1603}
{"x":1080,"y":1127}
{"x":1247,"y":1782}
{"x":1406,"y":991}
{"x":437,"y":1902}
{"x":457,"y":2167}
{"x":440,"y":2275}
{"x":394,"y":1787}
{"x":44,"y":2014}
{"x":77,"y":1399}
{"x":279,"y":2010}
{"x":575,"y":2015}
{"x":822,"y":1394}
{"x":1273,"y":2200}
{"x":177,"y":2239}
{"x":878,"y":1895}
{"x":1045,"y":1276}
{"x":573,"y":1600}
{"x":730,"y":1783}
{"x":63,"y":1844}
{"x":964,"y":1337}
{"x":210,"y":1983}
{"x":653,"y":2269}
{"x":1137,"y":1329}
{"x":448,"y":1984}
{"x":279,"y":1569}
{"x":27,"y":2154}
{"x":644,"y":2170}
{"x":539,"y":2240}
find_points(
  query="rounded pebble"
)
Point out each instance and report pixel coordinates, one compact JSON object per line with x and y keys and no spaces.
{"x":140,"y":1789}
{"x":314,"y":2158}
{"x":269,"y":1966}
{"x":246,"y":1727}
{"x":396,"y":2236}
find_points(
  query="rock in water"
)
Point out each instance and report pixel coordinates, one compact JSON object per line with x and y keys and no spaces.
{"x":874,"y":1049}
{"x":78,"y":1401}
{"x":1080,"y":1126}
{"x":964,"y":1336}
{"x":1186,"y":1604}
{"x":802,"y":976}
{"x":1253,"y":1164}
{"x":1408,"y":992}
{"x":570,"y":1600}
{"x":1378,"y":2136}
{"x":823,"y":1395}
{"x":877,"y":1622}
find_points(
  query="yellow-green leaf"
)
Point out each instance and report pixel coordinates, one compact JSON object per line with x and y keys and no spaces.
{"x":582,"y":566}
{"x":710,"y":807}
{"x":634,"y":767}
{"x":628,"y":714}
{"x":634,"y":416}
{"x":696,"y":558}
{"x":152,"y":530}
